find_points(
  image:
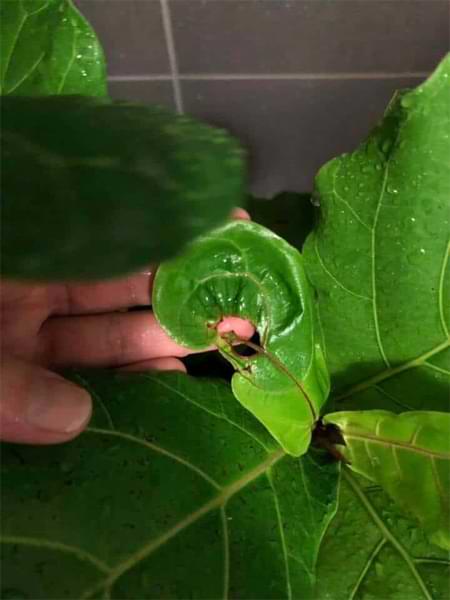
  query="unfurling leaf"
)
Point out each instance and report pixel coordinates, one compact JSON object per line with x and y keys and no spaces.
{"x":408,"y":455}
{"x":244,"y":270}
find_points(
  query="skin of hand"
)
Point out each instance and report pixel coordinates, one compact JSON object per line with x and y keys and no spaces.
{"x":50,"y":326}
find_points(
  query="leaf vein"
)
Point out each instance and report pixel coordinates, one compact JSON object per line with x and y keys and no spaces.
{"x":366,"y":567}
{"x":282,"y":536}
{"x":217,"y":502}
{"x":14,"y":44}
{"x":388,"y":373}
{"x":52,"y":545}
{"x":356,"y":488}
{"x":226,"y":554}
{"x":155,"y":448}
{"x":349,"y":206}
{"x":373,"y":267}
{"x":436,"y":368}
{"x":441,"y":290}
{"x":367,"y":438}
{"x":328,"y":272}
{"x":97,"y":399}
{"x":210,"y":412}
{"x":33,"y":67}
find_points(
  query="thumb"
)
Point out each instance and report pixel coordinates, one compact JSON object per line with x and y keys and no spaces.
{"x":38,"y":406}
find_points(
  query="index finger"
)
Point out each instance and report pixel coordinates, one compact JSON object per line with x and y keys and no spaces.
{"x":102,"y":296}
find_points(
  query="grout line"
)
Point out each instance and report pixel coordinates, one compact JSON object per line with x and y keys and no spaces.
{"x":176,"y":77}
{"x":171,"y":51}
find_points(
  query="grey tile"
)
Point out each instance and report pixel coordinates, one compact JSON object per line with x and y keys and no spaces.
{"x":131,"y":33}
{"x":291,"y":127}
{"x":145,"y":92}
{"x":311,"y":36}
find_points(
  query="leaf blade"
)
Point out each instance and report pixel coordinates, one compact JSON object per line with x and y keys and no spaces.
{"x":177,"y":545}
{"x":391,"y":555}
{"x":379,"y":256}
{"x":48,"y":48}
{"x":409,"y":456}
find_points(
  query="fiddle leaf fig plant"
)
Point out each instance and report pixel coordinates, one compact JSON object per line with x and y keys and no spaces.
{"x":299,"y":479}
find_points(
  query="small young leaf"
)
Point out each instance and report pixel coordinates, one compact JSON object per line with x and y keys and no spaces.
{"x":408,"y":455}
{"x":93,"y":189}
{"x":47,"y":48}
{"x":174,"y":491}
{"x":244,"y":270}
{"x":371,"y":550}
{"x":379,"y":257}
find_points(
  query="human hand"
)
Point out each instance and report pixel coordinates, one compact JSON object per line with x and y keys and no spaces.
{"x":46,"y":327}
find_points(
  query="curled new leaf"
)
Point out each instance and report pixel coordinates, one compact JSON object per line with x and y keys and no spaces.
{"x":408,"y":455}
{"x":244,"y":270}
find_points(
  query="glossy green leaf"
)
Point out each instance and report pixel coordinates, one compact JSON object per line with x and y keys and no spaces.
{"x":372,"y":551}
{"x":174,"y":492}
{"x":244,"y":270}
{"x":408,"y":455}
{"x":47,"y":47}
{"x":134,"y":184}
{"x":379,"y":257}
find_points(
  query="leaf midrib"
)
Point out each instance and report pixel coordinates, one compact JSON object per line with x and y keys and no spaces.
{"x":388,"y":373}
{"x":388,"y":443}
{"x":387,"y":535}
{"x":218,"y":502}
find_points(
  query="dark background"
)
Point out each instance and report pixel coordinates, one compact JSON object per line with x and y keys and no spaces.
{"x":297,"y":81}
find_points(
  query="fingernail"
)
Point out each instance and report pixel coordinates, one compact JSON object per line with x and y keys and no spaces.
{"x":58,"y":406}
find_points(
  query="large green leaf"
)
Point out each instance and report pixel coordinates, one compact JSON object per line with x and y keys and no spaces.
{"x":174,"y":491}
{"x":379,"y":257}
{"x":92,"y":189}
{"x":371,"y":551}
{"x":408,"y":455}
{"x":244,"y":270}
{"x":47,"y":47}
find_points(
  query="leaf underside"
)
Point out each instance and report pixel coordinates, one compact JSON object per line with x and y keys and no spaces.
{"x":409,"y":456}
{"x":174,"y":491}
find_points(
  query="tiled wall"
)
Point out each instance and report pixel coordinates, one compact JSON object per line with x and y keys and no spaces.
{"x":298,"y":81}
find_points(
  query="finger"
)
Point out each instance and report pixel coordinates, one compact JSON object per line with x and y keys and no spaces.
{"x":241,"y":327}
{"x":157,"y":364}
{"x":103,"y":296}
{"x":40,"y":407}
{"x":240,"y":213}
{"x":108,"y":340}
